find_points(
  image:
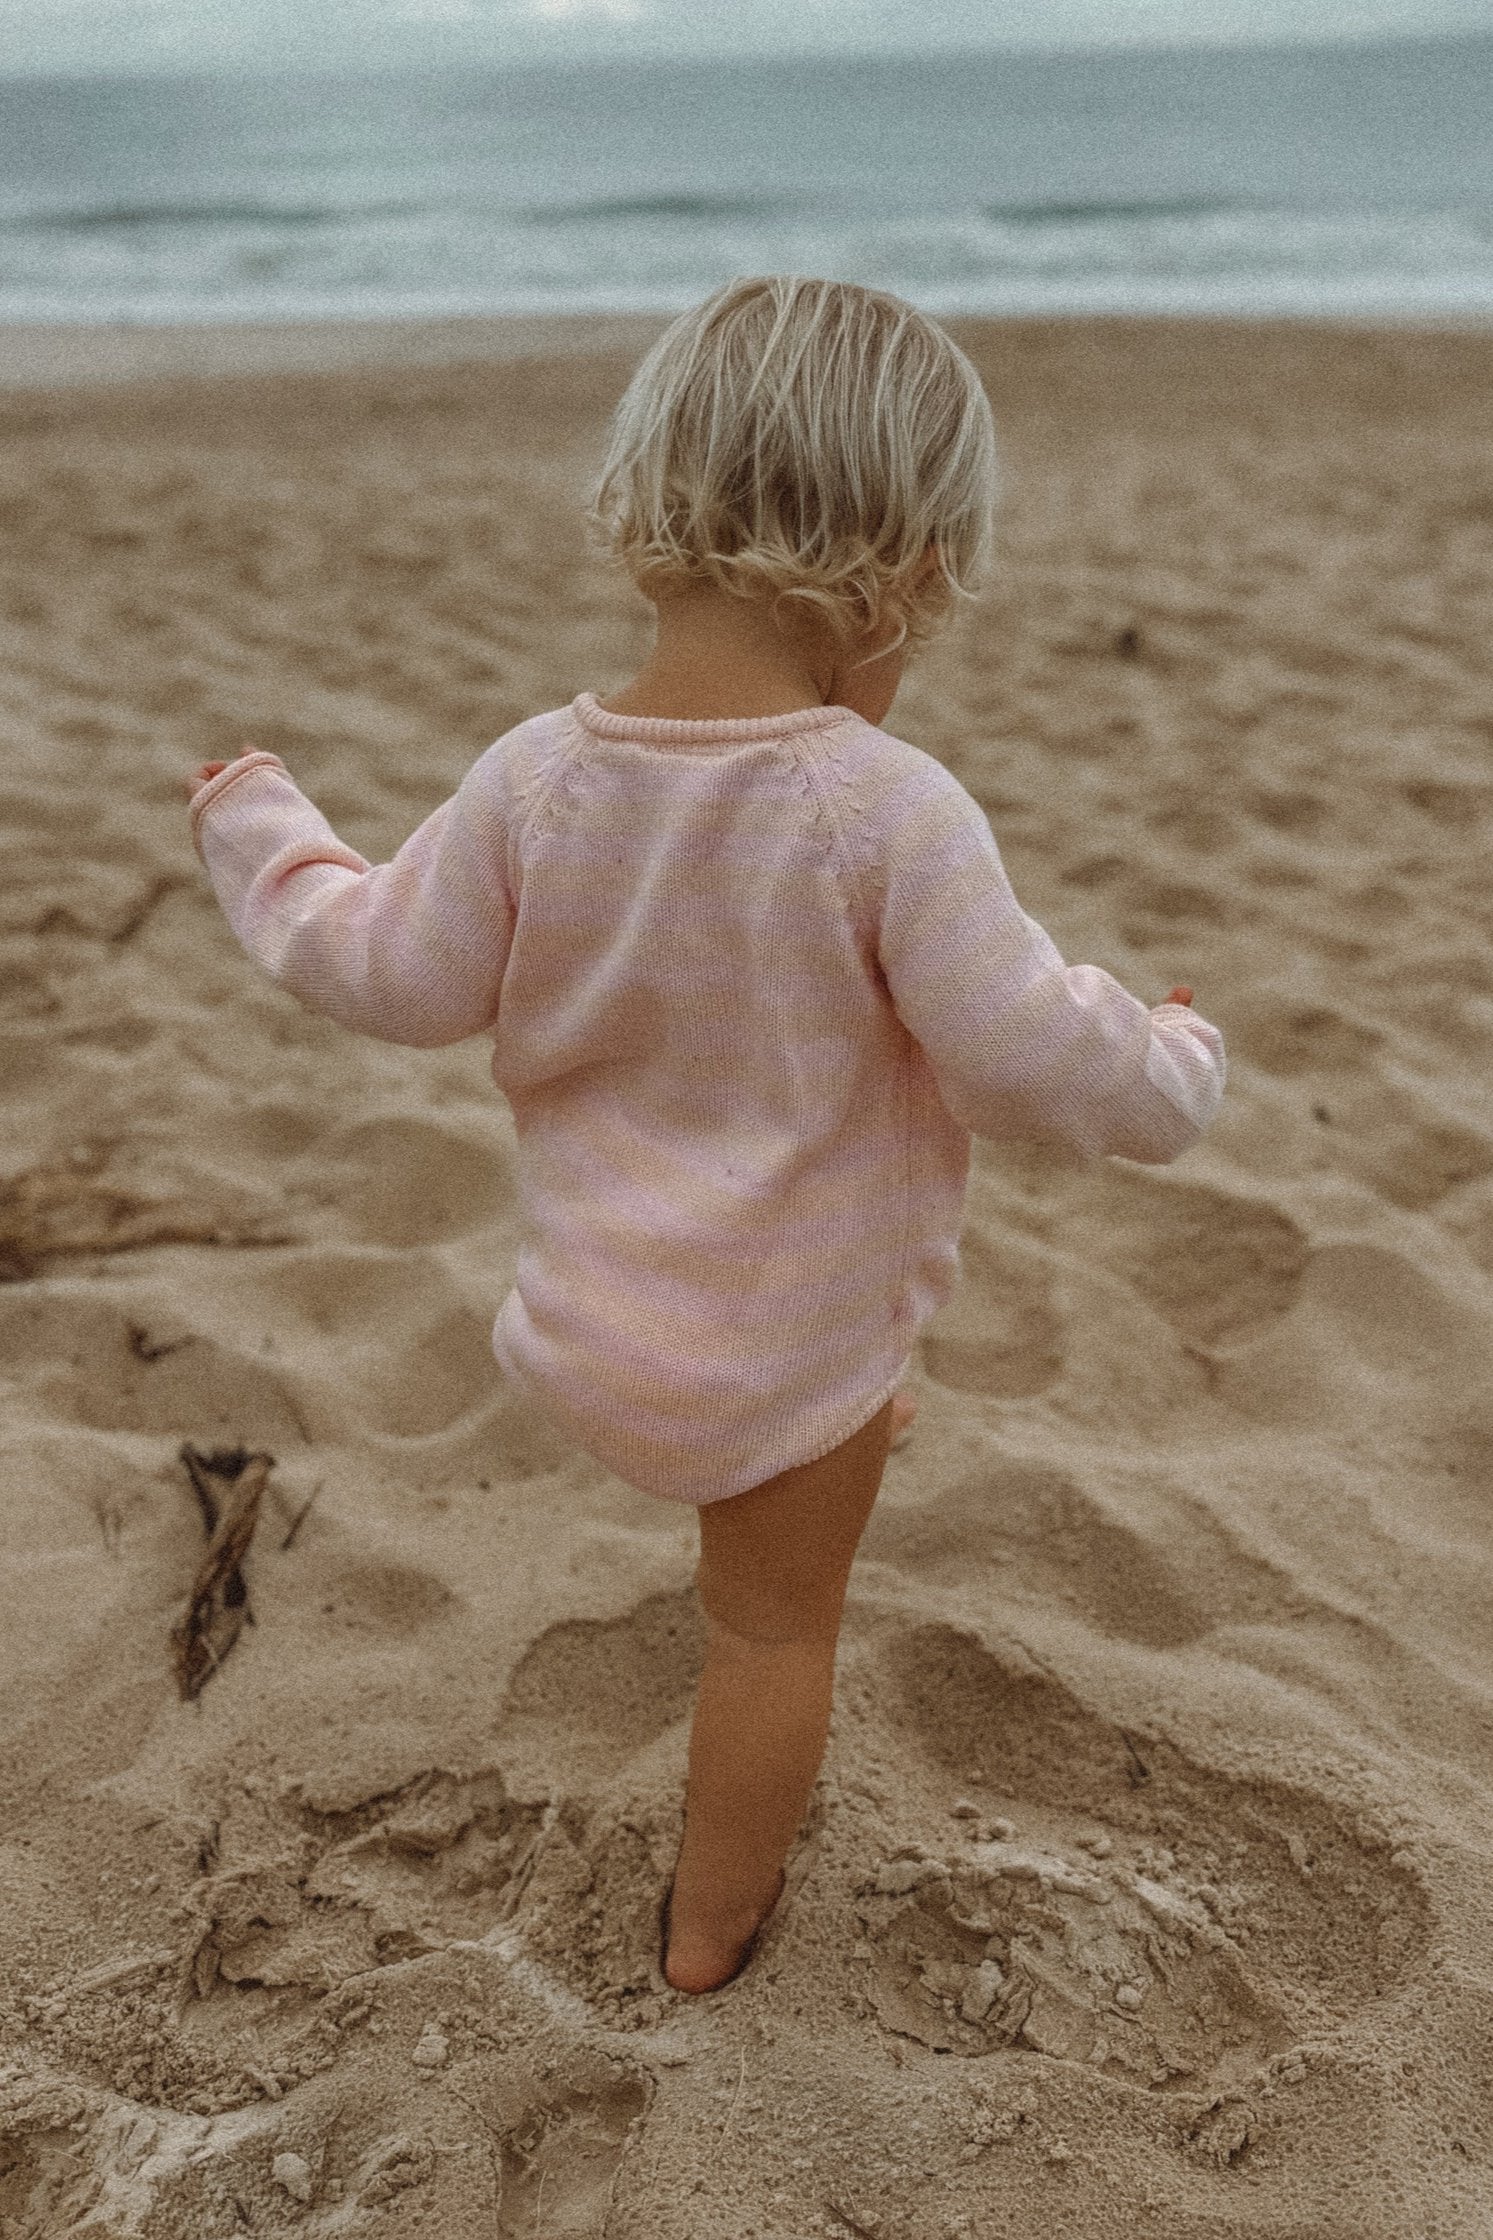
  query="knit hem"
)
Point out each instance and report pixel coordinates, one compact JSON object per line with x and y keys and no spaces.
{"x":838,"y":1440}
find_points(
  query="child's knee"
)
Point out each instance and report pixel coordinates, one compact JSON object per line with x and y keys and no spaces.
{"x":747,"y":1613}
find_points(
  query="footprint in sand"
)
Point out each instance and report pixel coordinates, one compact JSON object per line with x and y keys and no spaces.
{"x":598,"y":1709}
{"x":360,"y":1881}
{"x":403,"y":1179}
{"x":999,"y":1335}
{"x":1398,"y":1144}
{"x":1221,"y":1268}
{"x":1388,"y":1135}
{"x":1288,"y":1037}
{"x":1151,"y":908}
{"x":45,"y":2182}
{"x":354,"y":1868}
{"x":1064,"y":1924}
{"x":90,"y":1361}
{"x":1298,"y":810}
{"x":1400,"y":1325}
{"x":386,"y":1598}
{"x":1192,"y":828}
{"x":559,"y":2165}
{"x":1027,"y":1531}
{"x":1456,"y":805}
{"x":1375,"y":1338}
{"x":591,"y":1692}
{"x":348,"y":1312}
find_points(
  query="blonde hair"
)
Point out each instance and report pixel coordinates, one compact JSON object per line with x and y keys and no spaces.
{"x":809,"y":440}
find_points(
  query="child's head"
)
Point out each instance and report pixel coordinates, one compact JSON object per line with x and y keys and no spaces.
{"x":809,"y":440}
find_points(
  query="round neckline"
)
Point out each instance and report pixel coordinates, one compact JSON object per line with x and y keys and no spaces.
{"x":702,"y":731}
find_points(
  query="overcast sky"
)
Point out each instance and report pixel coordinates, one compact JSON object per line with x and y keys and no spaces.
{"x":84,"y":35}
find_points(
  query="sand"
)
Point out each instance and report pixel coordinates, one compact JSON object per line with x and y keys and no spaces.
{"x":1148,"y":1885}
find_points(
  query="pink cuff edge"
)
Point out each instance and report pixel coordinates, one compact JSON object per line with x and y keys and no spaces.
{"x":206,"y":795}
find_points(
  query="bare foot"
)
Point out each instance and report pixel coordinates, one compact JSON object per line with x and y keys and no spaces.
{"x":694,"y":1961}
{"x":904,"y":1408}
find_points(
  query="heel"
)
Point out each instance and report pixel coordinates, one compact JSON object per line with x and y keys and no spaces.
{"x":747,"y":1950}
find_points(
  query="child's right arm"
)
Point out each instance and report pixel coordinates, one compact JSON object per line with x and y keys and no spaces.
{"x":1023,"y":1046}
{"x":413,"y":950}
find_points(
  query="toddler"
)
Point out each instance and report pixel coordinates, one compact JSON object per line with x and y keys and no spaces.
{"x":754,"y":976}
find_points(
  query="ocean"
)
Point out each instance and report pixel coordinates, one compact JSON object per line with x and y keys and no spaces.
{"x":1346,"y":181}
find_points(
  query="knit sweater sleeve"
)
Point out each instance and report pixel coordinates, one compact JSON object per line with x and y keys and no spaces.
{"x":1022,"y":1045}
{"x":412,"y":951}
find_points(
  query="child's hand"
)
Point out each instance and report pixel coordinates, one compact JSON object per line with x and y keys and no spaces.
{"x":199,"y":777}
{"x":1180,"y":995}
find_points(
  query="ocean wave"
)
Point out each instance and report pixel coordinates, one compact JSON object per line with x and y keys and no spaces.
{"x":207,"y":214}
{"x":607,"y":209}
{"x":1084,"y":213}
{"x":133,"y":216}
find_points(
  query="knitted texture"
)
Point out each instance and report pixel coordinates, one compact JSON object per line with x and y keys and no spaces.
{"x":753,"y":986}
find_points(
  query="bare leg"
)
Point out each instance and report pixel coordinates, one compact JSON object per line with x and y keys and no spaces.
{"x":774,"y":1564}
{"x":761,"y":1724}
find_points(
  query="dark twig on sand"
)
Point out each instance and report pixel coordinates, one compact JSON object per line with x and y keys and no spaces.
{"x":228,"y":1484}
{"x":301,"y":1514}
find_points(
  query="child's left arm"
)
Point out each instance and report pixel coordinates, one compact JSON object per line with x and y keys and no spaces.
{"x":412,"y":951}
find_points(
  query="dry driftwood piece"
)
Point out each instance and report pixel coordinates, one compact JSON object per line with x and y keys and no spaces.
{"x":228,"y":1484}
{"x":72,"y":1206}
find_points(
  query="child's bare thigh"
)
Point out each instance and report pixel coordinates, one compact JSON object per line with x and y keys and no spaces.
{"x":774,"y":1561}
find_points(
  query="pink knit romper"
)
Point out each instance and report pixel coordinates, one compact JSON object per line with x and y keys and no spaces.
{"x":752,"y":988}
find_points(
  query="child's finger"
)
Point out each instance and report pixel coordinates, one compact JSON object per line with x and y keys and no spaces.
{"x":1180,"y":995}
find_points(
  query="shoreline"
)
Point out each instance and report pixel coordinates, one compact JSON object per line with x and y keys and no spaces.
{"x":57,"y":357}
{"x":67,"y":356}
